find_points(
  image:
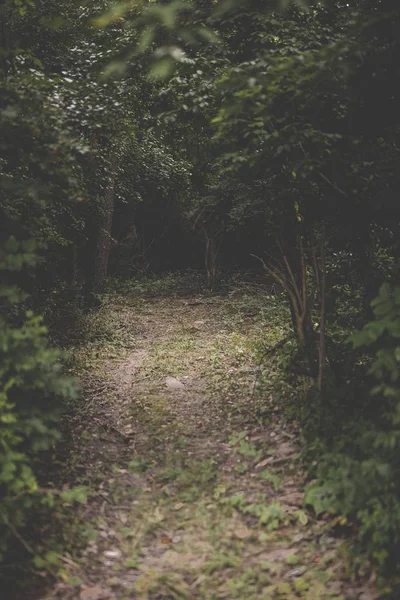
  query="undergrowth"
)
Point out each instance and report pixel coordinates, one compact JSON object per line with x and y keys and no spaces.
{"x":249,"y":364}
{"x":353,"y":446}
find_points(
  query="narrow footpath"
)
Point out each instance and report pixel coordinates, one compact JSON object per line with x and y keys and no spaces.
{"x":195,"y":483}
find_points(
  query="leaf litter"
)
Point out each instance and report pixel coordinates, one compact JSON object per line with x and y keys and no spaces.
{"x":193,"y":496}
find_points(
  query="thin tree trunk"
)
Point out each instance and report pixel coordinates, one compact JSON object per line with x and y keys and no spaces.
{"x":322,"y":322}
{"x":211,"y":262}
{"x":103,"y":244}
{"x":294,"y":282}
{"x":211,"y":255}
{"x":99,"y":228}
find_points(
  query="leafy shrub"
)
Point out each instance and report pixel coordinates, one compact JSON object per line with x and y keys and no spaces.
{"x":31,"y":389}
{"x":360,"y":477}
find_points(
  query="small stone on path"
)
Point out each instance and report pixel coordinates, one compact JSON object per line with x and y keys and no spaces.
{"x":174,"y":384}
{"x":112,"y":553}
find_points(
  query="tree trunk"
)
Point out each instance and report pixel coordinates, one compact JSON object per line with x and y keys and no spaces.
{"x":104,"y":238}
{"x":322,"y":323}
{"x":211,"y":261}
{"x":99,"y":228}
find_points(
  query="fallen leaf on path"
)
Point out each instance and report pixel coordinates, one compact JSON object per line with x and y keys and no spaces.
{"x":165,"y":539}
{"x":292,"y":499}
{"x":178,"y":506}
{"x":122,"y":516}
{"x":297,"y":572}
{"x":242,"y":532}
{"x":285,"y":449}
{"x":276,"y":554}
{"x":94,"y":593}
{"x":158,"y":516}
{"x":302,"y":517}
{"x":265,"y":462}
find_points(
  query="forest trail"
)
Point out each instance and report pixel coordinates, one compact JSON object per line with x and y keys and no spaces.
{"x":195,"y":482}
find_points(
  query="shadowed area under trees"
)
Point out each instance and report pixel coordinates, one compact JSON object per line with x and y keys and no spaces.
{"x":199,"y":299}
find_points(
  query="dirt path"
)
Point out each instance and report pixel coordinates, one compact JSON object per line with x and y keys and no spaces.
{"x":195,"y":484}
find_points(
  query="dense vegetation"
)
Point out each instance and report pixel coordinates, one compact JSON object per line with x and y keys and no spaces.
{"x":142,"y":138}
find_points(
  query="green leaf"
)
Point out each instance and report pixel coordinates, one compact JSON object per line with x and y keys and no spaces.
{"x":162,"y":68}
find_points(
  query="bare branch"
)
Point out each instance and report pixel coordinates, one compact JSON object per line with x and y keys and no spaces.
{"x":335,"y":187}
{"x":294,"y":283}
{"x":285,"y":285}
{"x":271,"y":271}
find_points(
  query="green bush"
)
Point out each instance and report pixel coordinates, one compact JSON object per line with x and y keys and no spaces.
{"x":41,"y":221}
{"x":32,"y":387}
{"x":360,"y":477}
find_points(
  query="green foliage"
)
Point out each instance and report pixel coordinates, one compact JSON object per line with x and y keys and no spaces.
{"x":271,"y":478}
{"x":32,"y":388}
{"x":250,"y":126}
{"x":271,"y":516}
{"x":359,"y":478}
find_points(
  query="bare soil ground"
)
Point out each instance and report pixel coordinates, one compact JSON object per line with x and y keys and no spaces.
{"x":196,"y":488}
